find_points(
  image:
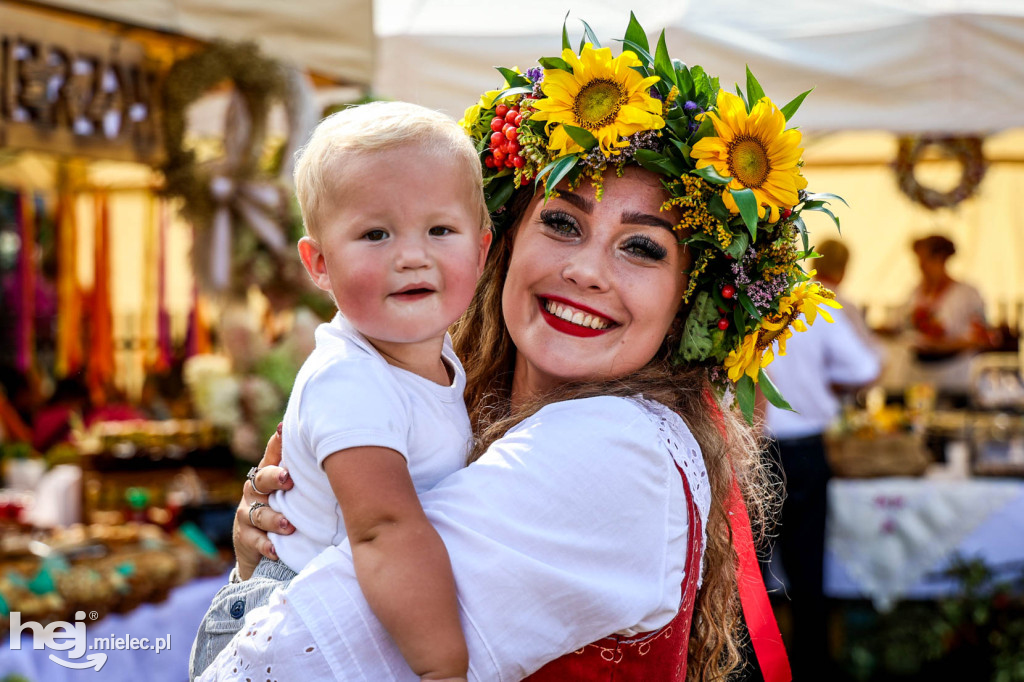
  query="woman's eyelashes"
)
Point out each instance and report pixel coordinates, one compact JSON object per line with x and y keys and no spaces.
{"x":560,"y":222}
{"x":644,"y":247}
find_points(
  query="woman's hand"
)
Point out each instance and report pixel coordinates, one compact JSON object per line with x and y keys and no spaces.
{"x":251,"y":541}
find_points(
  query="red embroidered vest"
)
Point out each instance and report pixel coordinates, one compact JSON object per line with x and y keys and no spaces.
{"x":658,"y":656}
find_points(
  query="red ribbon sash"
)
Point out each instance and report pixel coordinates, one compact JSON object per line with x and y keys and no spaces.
{"x":757,"y":610}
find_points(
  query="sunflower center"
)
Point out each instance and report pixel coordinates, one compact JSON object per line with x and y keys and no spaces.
{"x":598,"y":103}
{"x":748,"y":161}
{"x":765,"y":337}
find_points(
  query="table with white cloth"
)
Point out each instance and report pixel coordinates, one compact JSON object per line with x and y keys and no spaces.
{"x":891,"y":538}
{"x":174,"y":619}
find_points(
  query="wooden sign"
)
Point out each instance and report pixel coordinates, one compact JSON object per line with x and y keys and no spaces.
{"x":75,"y":90}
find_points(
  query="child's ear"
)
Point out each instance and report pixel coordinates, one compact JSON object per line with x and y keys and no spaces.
{"x":313,"y":260}
{"x":485,"y":244}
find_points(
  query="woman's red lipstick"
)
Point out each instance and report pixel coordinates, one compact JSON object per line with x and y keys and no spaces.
{"x":569,"y":327}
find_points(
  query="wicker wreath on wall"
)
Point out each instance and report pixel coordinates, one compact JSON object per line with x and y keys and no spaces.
{"x":239,"y":202}
{"x":966,"y":150}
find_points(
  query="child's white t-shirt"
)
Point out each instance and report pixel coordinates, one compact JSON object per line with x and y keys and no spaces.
{"x":346,"y":395}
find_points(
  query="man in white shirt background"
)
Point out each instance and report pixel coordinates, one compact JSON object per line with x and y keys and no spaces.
{"x":819,"y":365}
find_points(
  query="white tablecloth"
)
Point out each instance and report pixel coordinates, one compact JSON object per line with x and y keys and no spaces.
{"x":888,"y":537}
{"x":177,"y":618}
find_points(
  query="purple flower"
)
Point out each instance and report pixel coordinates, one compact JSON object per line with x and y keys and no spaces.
{"x":763,"y":292}
{"x":690,"y":106}
{"x":657,"y":95}
{"x":536,"y":74}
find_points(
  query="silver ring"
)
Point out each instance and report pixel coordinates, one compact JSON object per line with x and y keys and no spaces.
{"x":252,"y":480}
{"x":253,"y":507}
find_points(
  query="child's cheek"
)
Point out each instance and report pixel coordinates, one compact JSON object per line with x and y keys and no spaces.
{"x":360,"y":294}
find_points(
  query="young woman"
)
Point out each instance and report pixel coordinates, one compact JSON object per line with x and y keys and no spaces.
{"x":602,"y":510}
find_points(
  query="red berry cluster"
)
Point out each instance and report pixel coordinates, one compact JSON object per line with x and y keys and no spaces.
{"x":728,"y":291}
{"x":504,"y":150}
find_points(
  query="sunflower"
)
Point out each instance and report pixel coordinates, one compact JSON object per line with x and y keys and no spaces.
{"x":804,"y":300}
{"x":756,"y":350}
{"x":755,"y":151}
{"x":602,"y":95}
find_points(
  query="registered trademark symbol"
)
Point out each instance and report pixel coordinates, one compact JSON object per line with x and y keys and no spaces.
{"x":93,"y":615}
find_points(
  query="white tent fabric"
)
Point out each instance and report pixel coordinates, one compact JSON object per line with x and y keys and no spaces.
{"x":898,"y":65}
{"x":331,"y":37}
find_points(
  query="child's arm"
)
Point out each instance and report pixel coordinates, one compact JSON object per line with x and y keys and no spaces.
{"x":401,"y":563}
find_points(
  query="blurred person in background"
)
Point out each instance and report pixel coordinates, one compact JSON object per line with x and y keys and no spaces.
{"x":946,"y":320}
{"x":16,"y":406}
{"x":818,"y":367}
{"x":54,"y":419}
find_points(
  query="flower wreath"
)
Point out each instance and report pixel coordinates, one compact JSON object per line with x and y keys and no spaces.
{"x":966,"y":150}
{"x":728,"y":160}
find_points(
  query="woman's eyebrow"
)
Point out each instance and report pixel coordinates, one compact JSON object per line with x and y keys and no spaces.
{"x":637,"y":218}
{"x":582,"y":203}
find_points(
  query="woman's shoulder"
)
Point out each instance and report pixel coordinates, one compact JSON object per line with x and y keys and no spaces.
{"x":645,"y":425}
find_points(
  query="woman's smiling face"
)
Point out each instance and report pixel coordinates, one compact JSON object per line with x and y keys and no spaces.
{"x":592,"y":286}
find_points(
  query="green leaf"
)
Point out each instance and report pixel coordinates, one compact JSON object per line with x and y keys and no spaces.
{"x":812,"y":205}
{"x":555,"y":63}
{"x":748,"y":305}
{"x":754,"y":90}
{"x":581,"y":136}
{"x":711,"y":175}
{"x":658,"y":163}
{"x":501,"y":194}
{"x":518,"y":90}
{"x":565,"y":34}
{"x":635,"y":33}
{"x":794,"y":104}
{"x":825,"y":196}
{"x":802,"y":226}
{"x":513,"y":79}
{"x":747,"y":203}
{"x":702,"y":85}
{"x":663,"y":63}
{"x":678,"y":126}
{"x":700,"y":237}
{"x":591,"y":36}
{"x":716,"y":207}
{"x":743,"y":97}
{"x":746,"y":396}
{"x":683,"y":148}
{"x":684,"y":79}
{"x":771,"y":392}
{"x":739,"y":245}
{"x":739,"y":318}
{"x":639,"y":50}
{"x":834,"y":219}
{"x":696,"y":342}
{"x":559,"y":169}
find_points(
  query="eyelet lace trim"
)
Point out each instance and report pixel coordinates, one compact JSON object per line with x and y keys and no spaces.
{"x":680,"y":443}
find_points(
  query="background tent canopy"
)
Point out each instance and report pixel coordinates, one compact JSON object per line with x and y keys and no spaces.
{"x":333,"y":38}
{"x":899,"y":65}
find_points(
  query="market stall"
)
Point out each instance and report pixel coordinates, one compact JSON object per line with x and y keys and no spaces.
{"x":128,"y":347}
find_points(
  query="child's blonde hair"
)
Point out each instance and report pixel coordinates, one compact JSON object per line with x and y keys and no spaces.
{"x":378,"y":126}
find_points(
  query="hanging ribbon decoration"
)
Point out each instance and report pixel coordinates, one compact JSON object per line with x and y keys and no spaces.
{"x":100,"y":368}
{"x":163,"y":316}
{"x":69,"y":299}
{"x":25,"y":218}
